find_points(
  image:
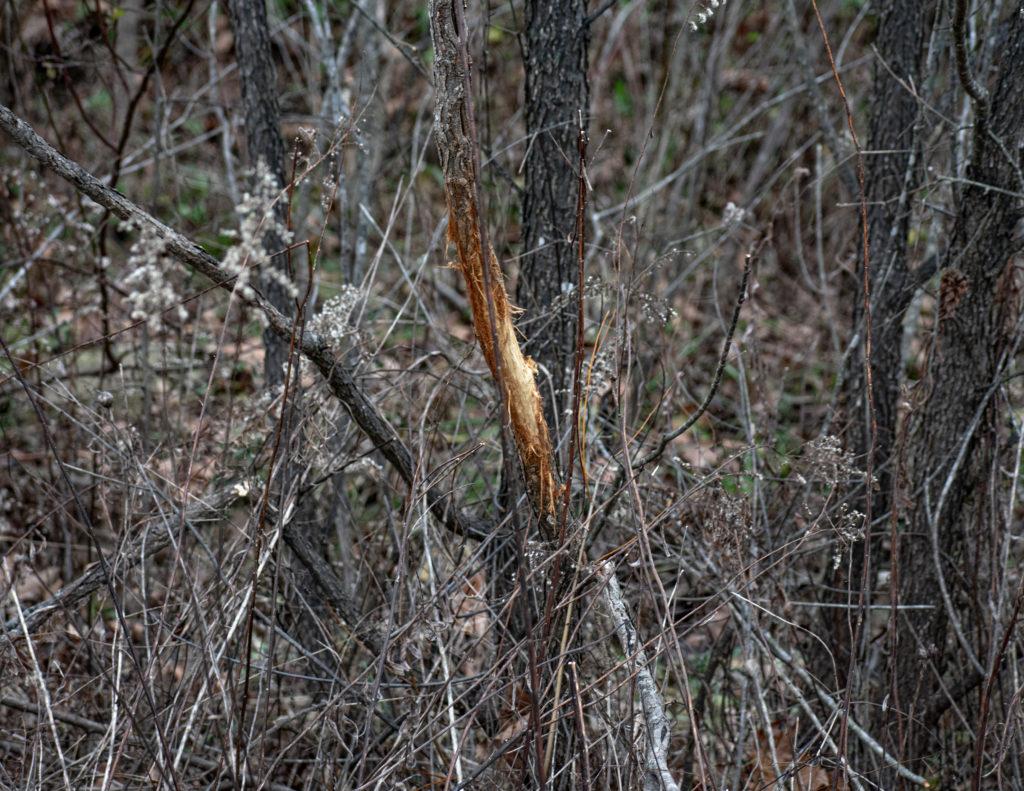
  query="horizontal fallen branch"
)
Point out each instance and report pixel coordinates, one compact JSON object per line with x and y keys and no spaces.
{"x":99,"y":729}
{"x":148,"y":543}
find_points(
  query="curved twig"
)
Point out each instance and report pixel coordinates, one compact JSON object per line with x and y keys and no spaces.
{"x":719,"y":371}
{"x":972,"y":87}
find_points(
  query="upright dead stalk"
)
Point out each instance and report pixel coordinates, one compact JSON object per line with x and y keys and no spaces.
{"x":515,"y":373}
{"x":492,"y":315}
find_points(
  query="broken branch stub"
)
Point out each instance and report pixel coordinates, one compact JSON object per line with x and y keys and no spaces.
{"x":514,"y":372}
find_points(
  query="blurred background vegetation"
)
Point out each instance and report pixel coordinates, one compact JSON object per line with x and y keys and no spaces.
{"x":760,"y":552}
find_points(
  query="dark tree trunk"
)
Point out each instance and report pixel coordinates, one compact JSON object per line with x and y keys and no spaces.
{"x":264,"y":143}
{"x":949,"y":445}
{"x":557,"y":102}
{"x":557,"y":97}
{"x":890,"y":181}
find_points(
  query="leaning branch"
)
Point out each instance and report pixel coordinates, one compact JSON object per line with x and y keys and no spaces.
{"x":658,"y":725}
{"x":310,"y":345}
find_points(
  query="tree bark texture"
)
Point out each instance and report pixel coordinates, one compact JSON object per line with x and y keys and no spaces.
{"x":955,"y":429}
{"x":891,"y":177}
{"x":557,"y":97}
{"x":264,"y":143}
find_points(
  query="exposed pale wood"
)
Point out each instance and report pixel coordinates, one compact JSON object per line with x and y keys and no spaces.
{"x":515,"y":372}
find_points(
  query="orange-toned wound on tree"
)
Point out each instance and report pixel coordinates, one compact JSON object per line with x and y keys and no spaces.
{"x":516,"y":372}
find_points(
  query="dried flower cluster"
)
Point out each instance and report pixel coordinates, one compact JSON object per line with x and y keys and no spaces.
{"x":733,"y":215}
{"x":726,"y":524}
{"x":257,"y":220}
{"x":827,"y":461}
{"x":655,"y":310}
{"x":333,"y":321}
{"x":152,"y":294}
{"x":705,"y":13}
{"x":849,"y":524}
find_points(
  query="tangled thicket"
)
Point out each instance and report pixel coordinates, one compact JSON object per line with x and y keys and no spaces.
{"x":739,"y":572}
